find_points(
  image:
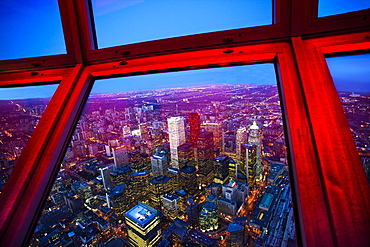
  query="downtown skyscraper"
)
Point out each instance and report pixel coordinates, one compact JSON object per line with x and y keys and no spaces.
{"x":176,"y":131}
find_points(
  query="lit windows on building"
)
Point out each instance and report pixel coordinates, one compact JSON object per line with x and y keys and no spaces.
{"x":176,"y":131}
{"x":143,"y":225}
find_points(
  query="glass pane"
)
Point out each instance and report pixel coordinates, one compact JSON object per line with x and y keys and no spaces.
{"x":30,"y":29}
{"x":126,"y":22}
{"x":329,"y":7}
{"x":20,"y":111}
{"x":351,"y":75}
{"x":196,"y":156}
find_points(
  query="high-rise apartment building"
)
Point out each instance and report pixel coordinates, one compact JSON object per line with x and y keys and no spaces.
{"x":176,"y":131}
{"x":143,"y":226}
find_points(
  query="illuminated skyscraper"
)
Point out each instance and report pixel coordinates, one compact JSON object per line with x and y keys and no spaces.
{"x":194,"y":127}
{"x":176,"y":131}
{"x":138,"y":186}
{"x":186,"y":155}
{"x":205,"y":158}
{"x":188,"y":179}
{"x":241,"y":137}
{"x":170,"y":204}
{"x":221,"y":168}
{"x":247,"y":165}
{"x":255,"y":139}
{"x":105,"y":174}
{"x":159,"y":165}
{"x":118,"y":200}
{"x":208,"y":217}
{"x":144,"y":134}
{"x":120,"y":156}
{"x":216,"y":129}
{"x":158,"y":187}
{"x":192,"y":211}
{"x":143,"y":226}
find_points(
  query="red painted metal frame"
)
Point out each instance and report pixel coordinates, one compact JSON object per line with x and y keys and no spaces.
{"x":331,"y":194}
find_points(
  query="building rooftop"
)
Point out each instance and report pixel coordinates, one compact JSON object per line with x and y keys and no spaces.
{"x":160,"y":180}
{"x":234,"y":227}
{"x":221,"y":158}
{"x":266,"y":201}
{"x":141,"y":173}
{"x":170,"y":196}
{"x":141,"y":214}
{"x":188,"y":169}
{"x":185,"y":146}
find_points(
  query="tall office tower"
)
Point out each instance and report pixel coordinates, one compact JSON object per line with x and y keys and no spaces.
{"x":254,"y":138}
{"x":208,"y":217}
{"x":229,"y":190}
{"x":142,"y":222}
{"x":186,"y":155}
{"x":241,"y":137}
{"x":120,"y":176}
{"x":205,"y":158}
{"x":105,"y":174}
{"x":183,"y":197}
{"x":126,"y":131}
{"x":108,"y":150}
{"x":120,"y":156}
{"x":216,"y":129}
{"x":144,"y":133}
{"x":118,"y":200}
{"x":170,"y":204}
{"x":192,"y":210}
{"x":138,"y":162}
{"x":188,"y":179}
{"x":159,"y":186}
{"x":235,"y":235}
{"x":175,"y":175}
{"x":157,"y":138}
{"x":194,"y":127}
{"x":248,"y":163}
{"x":221,"y":168}
{"x":176,"y":131}
{"x":159,"y":165}
{"x":138,"y":186}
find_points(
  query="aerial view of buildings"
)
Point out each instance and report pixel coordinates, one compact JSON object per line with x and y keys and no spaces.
{"x":191,"y":166}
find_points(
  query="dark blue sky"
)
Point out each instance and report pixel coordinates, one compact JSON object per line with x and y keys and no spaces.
{"x":33,"y":28}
